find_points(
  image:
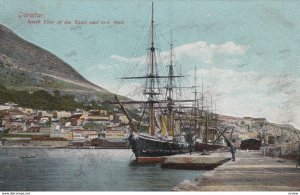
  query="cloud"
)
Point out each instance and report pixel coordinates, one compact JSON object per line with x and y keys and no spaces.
{"x":126,"y":60}
{"x":207,"y":51}
{"x":99,"y":67}
{"x":200,"y":49}
{"x":120,"y":58}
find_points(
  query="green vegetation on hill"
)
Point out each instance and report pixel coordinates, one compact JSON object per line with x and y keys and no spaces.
{"x":5,"y":96}
{"x":39,"y":99}
{"x":44,"y":100}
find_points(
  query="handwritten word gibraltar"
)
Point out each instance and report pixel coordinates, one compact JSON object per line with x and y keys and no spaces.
{"x":30,"y":15}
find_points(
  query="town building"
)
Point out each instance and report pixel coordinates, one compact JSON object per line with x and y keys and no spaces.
{"x":8,"y":106}
{"x":77,"y":119}
{"x":61,"y":114}
{"x":83,"y":135}
{"x":44,"y":114}
{"x":99,"y":115}
{"x":120,"y":118}
{"x":4,"y":107}
{"x":67,"y":134}
{"x":25,"y":110}
{"x":114,"y":134}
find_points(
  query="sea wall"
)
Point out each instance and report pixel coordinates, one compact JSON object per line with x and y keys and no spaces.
{"x":283,"y":150}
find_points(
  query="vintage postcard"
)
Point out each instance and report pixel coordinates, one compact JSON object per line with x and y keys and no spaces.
{"x":161,"y":95}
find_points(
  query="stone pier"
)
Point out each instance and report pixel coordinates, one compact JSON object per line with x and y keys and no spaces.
{"x":195,"y":161}
{"x":250,"y":172}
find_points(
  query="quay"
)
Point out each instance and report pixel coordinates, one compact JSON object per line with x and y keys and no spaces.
{"x":250,"y":172}
{"x":196,"y":161}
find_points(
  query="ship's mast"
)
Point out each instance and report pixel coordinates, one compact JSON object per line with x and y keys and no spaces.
{"x":171,"y":73}
{"x":202,"y":96}
{"x":170,"y":90}
{"x":152,"y":83}
{"x":180,"y":88}
{"x":195,"y":92}
{"x":204,"y":115}
{"x":152,"y":79}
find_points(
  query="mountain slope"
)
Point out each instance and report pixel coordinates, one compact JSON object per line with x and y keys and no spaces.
{"x":24,"y":65}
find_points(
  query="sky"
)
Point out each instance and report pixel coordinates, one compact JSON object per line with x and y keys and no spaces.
{"x":246,"y":51}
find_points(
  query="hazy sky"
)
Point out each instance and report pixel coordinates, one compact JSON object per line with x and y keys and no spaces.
{"x":247,"y":51}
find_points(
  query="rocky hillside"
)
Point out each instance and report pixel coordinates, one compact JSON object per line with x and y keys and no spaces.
{"x":25,"y":66}
{"x":260,"y":128}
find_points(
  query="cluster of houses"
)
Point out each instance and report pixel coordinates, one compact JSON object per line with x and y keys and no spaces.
{"x":83,"y":126}
{"x":78,"y":126}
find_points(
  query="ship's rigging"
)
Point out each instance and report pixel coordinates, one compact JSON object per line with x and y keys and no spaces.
{"x":153,"y":90}
{"x":170,"y":119}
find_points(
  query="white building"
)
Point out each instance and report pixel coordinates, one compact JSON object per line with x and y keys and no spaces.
{"x":62,"y":133}
{"x":4,"y":107}
{"x":62,"y":114}
{"x":45,"y":114}
{"x":82,"y":135}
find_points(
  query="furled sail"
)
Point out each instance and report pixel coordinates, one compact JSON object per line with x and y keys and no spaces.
{"x":177,"y":128}
{"x":164,"y":125}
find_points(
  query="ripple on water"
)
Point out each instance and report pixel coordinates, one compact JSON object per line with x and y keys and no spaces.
{"x":83,"y":170}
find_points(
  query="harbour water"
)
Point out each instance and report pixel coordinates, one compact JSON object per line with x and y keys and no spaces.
{"x":24,"y":169}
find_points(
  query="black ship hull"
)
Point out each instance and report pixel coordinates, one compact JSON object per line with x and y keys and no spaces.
{"x":146,"y":146}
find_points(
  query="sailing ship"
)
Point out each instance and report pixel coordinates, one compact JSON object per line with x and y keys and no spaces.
{"x":163,"y":138}
{"x":211,"y":134}
{"x":205,"y":122}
